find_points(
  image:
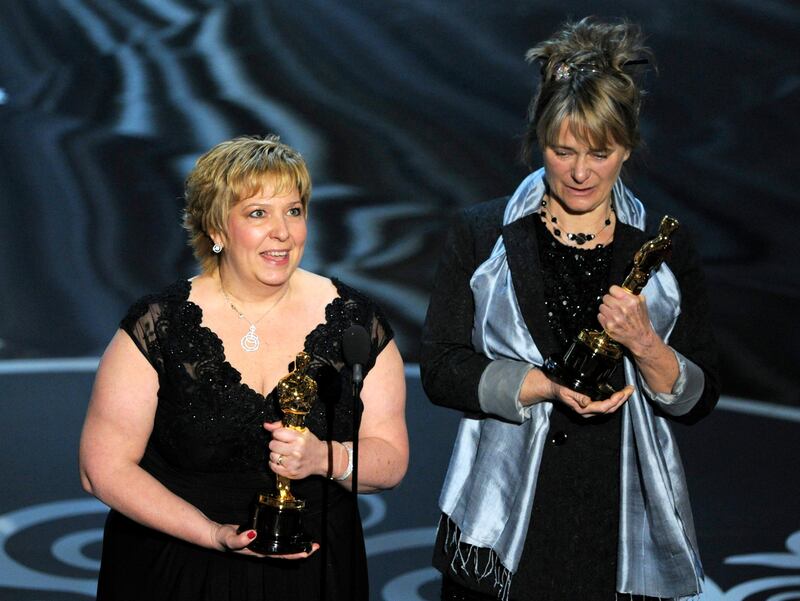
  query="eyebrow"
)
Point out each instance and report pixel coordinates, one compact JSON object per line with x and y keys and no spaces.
{"x":563,"y":147}
{"x":269,"y":202}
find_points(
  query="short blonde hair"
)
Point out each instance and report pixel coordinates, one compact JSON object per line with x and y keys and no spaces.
{"x":587,"y":76}
{"x":232,"y":171}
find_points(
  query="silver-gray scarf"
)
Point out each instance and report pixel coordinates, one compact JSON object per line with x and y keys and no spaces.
{"x":488,"y":491}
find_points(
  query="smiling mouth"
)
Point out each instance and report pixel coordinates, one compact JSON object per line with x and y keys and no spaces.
{"x":275,"y":254}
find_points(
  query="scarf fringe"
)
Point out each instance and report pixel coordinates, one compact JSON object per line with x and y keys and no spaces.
{"x":632,"y":597}
{"x":465,"y":557}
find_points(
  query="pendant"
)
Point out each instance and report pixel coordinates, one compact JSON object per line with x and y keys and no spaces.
{"x":580,"y":239}
{"x":250,"y":341}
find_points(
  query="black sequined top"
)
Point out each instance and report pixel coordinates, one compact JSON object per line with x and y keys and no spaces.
{"x":575,"y":280}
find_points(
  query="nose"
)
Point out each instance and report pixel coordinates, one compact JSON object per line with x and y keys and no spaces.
{"x":580,"y":169}
{"x":279,"y":229}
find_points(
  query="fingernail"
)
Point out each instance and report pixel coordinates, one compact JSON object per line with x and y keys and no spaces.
{"x":251,"y":534}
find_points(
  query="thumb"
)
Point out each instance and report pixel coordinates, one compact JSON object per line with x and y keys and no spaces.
{"x":272,"y":426}
{"x":578,"y":397}
{"x":226,"y":536}
{"x":235,"y":541}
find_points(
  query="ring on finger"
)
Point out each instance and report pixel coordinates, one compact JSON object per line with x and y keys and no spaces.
{"x":279,"y":460}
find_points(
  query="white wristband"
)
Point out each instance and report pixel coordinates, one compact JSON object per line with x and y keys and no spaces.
{"x":349,"y":469}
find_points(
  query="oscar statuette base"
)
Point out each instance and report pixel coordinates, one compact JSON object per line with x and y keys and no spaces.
{"x":587,"y":366}
{"x":279,"y":526}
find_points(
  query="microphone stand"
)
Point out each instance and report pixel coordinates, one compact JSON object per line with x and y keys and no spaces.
{"x":356,"y":345}
{"x":358,"y":382}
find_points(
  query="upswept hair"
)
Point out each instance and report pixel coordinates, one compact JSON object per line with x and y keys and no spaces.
{"x":587,"y":76}
{"x":232,"y":171}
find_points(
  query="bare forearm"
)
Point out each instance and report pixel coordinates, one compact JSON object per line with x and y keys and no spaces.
{"x":535,"y":388}
{"x":138,"y":495}
{"x":656,"y":363}
{"x":380,"y":465}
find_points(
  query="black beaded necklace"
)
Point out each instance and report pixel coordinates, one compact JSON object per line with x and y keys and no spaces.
{"x":579,"y":238}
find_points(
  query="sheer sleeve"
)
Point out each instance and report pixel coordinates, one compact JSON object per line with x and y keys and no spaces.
{"x":381,"y":332}
{"x":354,"y":307}
{"x":141,"y":324}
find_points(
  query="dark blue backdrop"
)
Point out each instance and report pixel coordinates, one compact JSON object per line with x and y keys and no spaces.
{"x":405,"y":111}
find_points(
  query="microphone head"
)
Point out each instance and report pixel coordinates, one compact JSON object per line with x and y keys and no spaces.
{"x":356,"y":345}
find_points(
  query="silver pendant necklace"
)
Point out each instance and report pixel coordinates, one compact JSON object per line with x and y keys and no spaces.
{"x":250,"y":342}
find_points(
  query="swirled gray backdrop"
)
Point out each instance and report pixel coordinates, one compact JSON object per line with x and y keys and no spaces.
{"x":405,"y":112}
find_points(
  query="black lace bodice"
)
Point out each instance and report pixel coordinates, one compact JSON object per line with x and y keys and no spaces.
{"x":207,"y":419}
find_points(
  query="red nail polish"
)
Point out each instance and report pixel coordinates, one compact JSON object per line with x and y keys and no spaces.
{"x":251,"y":534}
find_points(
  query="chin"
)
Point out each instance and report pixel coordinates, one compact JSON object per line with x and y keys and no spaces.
{"x":580,"y":203}
{"x":274,"y":278}
{"x":281,"y":277}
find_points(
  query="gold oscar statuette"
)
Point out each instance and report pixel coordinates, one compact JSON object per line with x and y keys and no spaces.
{"x":278,"y":518}
{"x":590,"y":361}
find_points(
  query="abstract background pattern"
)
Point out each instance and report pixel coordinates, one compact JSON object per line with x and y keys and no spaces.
{"x":406,"y":111}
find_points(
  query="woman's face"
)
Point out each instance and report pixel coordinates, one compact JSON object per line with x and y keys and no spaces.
{"x":579,"y":176}
{"x":266,"y":236}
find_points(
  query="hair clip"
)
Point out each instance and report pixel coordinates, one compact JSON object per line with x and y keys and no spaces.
{"x":563,"y":71}
{"x":567,"y":70}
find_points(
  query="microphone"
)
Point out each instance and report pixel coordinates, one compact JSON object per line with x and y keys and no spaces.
{"x":355,"y":348}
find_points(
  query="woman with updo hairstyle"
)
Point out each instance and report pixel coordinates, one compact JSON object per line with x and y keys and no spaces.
{"x":551,"y":494}
{"x":184,"y":429}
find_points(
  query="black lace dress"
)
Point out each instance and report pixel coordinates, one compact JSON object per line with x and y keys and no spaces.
{"x":209,"y":447}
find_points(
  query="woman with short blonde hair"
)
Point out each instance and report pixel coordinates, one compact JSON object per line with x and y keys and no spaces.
{"x":184,"y":432}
